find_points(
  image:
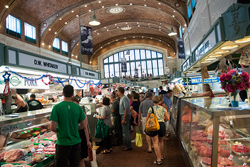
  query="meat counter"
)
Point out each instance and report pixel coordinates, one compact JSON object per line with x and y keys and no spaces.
{"x":26,"y":140}
{"x":214,"y":134}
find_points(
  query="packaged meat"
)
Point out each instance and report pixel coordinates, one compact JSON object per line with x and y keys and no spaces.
{"x":224,"y":153}
{"x":13,"y":155}
{"x":206,"y":160}
{"x":2,"y":155}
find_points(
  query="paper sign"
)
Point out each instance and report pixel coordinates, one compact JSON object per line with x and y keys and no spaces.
{"x":32,"y":149}
{"x":240,"y":146}
{"x":230,"y":157}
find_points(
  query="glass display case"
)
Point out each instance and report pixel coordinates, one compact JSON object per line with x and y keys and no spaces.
{"x":214,"y":134}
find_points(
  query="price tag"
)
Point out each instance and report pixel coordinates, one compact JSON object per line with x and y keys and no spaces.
{"x":53,"y":144}
{"x":40,"y":145}
{"x":230,"y":157}
{"x":49,"y":143}
{"x":240,"y":146}
{"x":245,"y":164}
{"x":45,"y":134}
{"x":32,"y":149}
{"x":38,"y":137}
{"x":32,"y":140}
{"x":28,"y":159}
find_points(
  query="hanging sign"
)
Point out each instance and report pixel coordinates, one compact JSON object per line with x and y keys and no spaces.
{"x":86,"y":40}
{"x":181,"y":52}
{"x":40,"y":63}
{"x":16,"y":82}
{"x":124,"y":64}
{"x":89,"y":74}
{"x":209,"y":80}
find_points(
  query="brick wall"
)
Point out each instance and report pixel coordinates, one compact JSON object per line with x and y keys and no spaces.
{"x":205,"y":15}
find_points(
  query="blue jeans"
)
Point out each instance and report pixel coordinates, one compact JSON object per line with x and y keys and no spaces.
{"x":126,"y":132}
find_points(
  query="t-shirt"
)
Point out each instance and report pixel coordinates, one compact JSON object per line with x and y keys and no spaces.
{"x":67,"y":115}
{"x":34,"y":105}
{"x":22,"y":109}
{"x":144,"y":106}
{"x":159,"y":111}
{"x":136,"y":105}
{"x":115,"y":106}
{"x":124,"y":104}
{"x":107,"y":113}
{"x":162,"y":92}
{"x":168,"y":102}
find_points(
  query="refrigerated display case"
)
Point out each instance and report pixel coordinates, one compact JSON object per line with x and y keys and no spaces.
{"x":214,"y":134}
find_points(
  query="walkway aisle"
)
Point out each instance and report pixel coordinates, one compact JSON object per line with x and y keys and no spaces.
{"x":138,"y":157}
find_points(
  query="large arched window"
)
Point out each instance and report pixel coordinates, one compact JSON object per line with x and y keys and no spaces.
{"x":145,"y":61}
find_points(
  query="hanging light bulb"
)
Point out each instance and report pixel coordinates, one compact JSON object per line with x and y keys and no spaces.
{"x":69,"y":61}
{"x":127,"y":53}
{"x":94,"y":22}
{"x":172,"y":32}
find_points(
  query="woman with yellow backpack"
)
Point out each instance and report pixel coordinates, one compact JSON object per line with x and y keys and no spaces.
{"x":155,"y":127}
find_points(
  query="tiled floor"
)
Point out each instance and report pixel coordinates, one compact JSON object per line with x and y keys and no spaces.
{"x":138,"y":157}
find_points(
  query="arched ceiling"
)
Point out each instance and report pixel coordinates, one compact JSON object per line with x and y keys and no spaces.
{"x":147,"y":18}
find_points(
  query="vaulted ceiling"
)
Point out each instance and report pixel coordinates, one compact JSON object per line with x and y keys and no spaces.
{"x":149,"y":19}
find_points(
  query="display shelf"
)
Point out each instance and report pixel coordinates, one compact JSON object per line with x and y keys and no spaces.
{"x":207,"y":131}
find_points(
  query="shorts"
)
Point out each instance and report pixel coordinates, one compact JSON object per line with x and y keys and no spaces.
{"x":161,"y":132}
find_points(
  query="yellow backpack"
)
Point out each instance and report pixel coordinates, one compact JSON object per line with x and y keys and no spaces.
{"x":152,"y":123}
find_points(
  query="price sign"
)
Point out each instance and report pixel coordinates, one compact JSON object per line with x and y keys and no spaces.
{"x":230,"y":157}
{"x":40,"y":145}
{"x":240,"y":146}
{"x":28,"y":159}
{"x":32,"y":149}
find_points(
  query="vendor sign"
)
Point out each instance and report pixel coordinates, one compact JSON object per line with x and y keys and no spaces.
{"x":209,"y":80}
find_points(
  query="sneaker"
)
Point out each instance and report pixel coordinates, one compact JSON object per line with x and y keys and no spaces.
{"x":133,"y":141}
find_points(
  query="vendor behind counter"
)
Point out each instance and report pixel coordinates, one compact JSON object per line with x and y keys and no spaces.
{"x":22,"y":106}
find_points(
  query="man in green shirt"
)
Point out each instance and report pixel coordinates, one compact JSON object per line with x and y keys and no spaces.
{"x":65,"y":118}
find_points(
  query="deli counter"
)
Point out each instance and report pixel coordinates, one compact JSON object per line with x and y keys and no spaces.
{"x":26,"y":139}
{"x":214,"y":134}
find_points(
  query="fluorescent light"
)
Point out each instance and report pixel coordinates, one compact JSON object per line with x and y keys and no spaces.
{"x":94,"y":22}
{"x":221,"y":52}
{"x":215,"y":55}
{"x":126,"y":28}
{"x":230,"y":47}
{"x":210,"y":59}
{"x":244,"y":40}
{"x":116,"y":10}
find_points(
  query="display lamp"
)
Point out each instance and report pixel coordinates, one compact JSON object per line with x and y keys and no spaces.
{"x":127,"y":53}
{"x":69,"y":61}
{"x":172,"y":32}
{"x":94,"y":22}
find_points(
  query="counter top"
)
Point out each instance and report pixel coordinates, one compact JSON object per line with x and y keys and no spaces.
{"x":219,"y":106}
{"x":25,"y":116}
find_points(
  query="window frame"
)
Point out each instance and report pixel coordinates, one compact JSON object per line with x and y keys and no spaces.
{"x":17,"y":24}
{"x":55,"y":48}
{"x":31,"y":38}
{"x":130,"y":71}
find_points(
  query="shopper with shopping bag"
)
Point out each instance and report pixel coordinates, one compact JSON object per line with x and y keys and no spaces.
{"x":156,"y":117}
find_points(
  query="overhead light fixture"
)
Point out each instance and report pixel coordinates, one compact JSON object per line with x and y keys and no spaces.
{"x":244,"y":40}
{"x":126,"y":28}
{"x":210,"y":59}
{"x":169,"y":56}
{"x":116,"y":10}
{"x":222,"y":52}
{"x":230,"y":47}
{"x":215,"y":55}
{"x":205,"y":62}
{"x":69,"y":61}
{"x":94,"y":22}
{"x":97,"y":70}
{"x":172,"y":32}
{"x":127,"y":53}
{"x":6,"y":6}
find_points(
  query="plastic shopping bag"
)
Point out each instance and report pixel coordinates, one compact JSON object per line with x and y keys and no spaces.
{"x":138,"y":141}
{"x":101,"y":129}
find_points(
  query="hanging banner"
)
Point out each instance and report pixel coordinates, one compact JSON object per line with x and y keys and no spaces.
{"x":136,"y":73}
{"x":124,"y":64}
{"x":181,"y":52}
{"x":16,"y":82}
{"x":86,"y":40}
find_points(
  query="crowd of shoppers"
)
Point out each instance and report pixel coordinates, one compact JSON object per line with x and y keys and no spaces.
{"x":70,"y":123}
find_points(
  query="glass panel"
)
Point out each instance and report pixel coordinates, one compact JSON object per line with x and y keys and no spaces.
{"x":121,"y":55}
{"x":111,"y":59}
{"x":132,"y":55}
{"x":149,"y":66}
{"x":116,"y":58}
{"x":117,"y":70}
{"x":13,"y":24}
{"x":111,"y":68}
{"x":127,"y":57}
{"x":106,"y":70}
{"x":137,"y":54}
{"x":139,"y":68}
{"x":142,"y":54}
{"x":148,"y":54}
{"x":30,"y":31}
{"x":64,"y":46}
{"x":153,"y":54}
{"x":159,"y":55}
{"x":132,"y":68}
{"x":56,"y":43}
{"x":128,"y":69}
{"x":155,"y":67}
{"x":155,"y":72}
{"x":160,"y":64}
{"x":106,"y":60}
{"x":161,"y":72}
{"x":143,"y":66}
{"x":189,"y":10}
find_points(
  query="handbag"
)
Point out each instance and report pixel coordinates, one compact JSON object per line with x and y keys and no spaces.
{"x":152,"y":123}
{"x":138,"y":140}
{"x":101,"y":129}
